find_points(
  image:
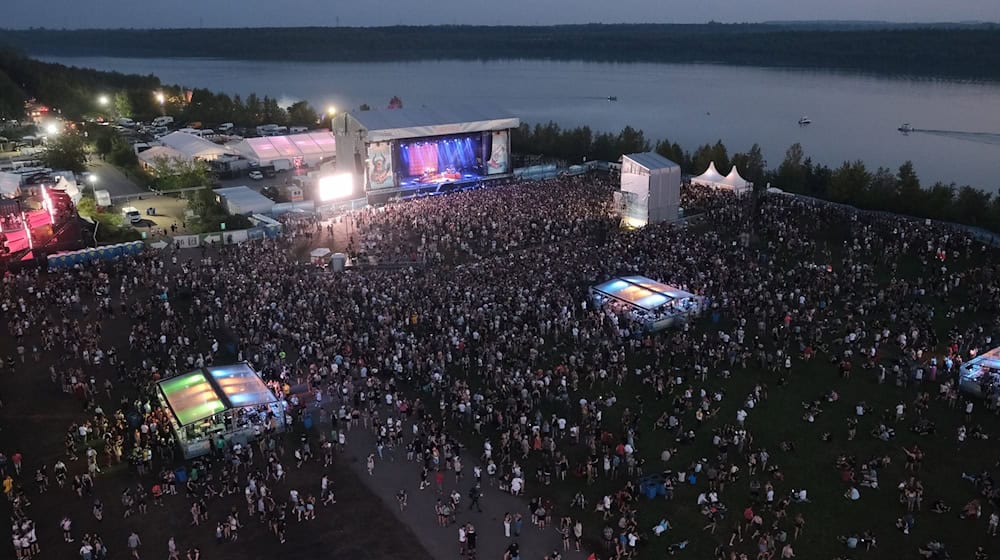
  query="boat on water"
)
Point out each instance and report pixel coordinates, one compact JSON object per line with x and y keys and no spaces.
{"x":612,"y":98}
{"x":906,"y":128}
{"x":804,"y":121}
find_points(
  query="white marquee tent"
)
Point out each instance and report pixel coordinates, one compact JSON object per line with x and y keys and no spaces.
{"x":732,"y":182}
{"x":311,"y":148}
{"x":190,"y":147}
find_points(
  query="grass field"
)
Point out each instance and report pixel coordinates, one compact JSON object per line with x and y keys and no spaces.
{"x":812,"y":464}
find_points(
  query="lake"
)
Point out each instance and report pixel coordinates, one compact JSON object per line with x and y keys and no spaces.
{"x":853,"y":116}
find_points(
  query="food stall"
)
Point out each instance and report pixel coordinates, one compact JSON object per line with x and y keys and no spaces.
{"x":320,"y":256}
{"x":980,"y":376}
{"x":230,"y":402}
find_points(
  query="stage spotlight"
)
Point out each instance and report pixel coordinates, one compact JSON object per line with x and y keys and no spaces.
{"x":335,"y":187}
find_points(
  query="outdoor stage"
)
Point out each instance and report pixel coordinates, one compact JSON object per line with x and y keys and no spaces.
{"x":439,"y":161}
{"x":416,"y":152}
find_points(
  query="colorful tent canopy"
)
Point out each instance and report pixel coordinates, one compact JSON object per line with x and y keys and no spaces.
{"x":641,"y":292}
{"x":205,"y":392}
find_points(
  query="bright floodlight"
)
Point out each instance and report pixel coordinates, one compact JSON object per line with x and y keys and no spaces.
{"x":335,"y":187}
{"x":92,"y":178}
{"x":103,"y":100}
{"x":51,"y":128}
{"x":331,"y":110}
{"x":160,"y":98}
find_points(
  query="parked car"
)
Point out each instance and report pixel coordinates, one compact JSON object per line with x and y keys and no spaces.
{"x":256,"y":175}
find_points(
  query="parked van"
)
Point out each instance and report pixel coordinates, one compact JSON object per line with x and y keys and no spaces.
{"x":163,"y":121}
{"x":131,"y":215}
{"x":225,"y":127}
{"x":126,"y":122}
{"x":298,"y":129}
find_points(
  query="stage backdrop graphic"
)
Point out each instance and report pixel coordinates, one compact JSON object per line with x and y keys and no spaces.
{"x":380,"y":175}
{"x":498,"y":161}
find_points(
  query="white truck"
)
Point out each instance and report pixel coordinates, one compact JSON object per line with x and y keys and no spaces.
{"x":131,"y":215}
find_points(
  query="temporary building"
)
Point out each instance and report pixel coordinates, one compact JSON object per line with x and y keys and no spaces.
{"x":650,"y":189}
{"x":309,"y":149}
{"x":732,"y":182}
{"x":653,"y":304}
{"x":191,"y":147}
{"x":156,"y":154}
{"x":231,"y":402}
{"x":244,"y":200}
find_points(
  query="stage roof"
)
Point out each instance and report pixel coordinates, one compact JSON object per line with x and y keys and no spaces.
{"x":642,"y":292}
{"x":651,"y":161}
{"x":316,"y":144}
{"x":202,"y":393}
{"x":191,"y":397}
{"x":396,"y":124}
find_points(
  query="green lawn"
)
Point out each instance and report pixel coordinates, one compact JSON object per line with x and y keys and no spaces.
{"x":812,"y":464}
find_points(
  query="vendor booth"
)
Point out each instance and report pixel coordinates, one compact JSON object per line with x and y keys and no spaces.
{"x":980,"y":376}
{"x":654,"y":305}
{"x":230,"y":402}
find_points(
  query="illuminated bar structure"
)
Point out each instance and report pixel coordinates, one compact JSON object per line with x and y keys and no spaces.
{"x":229,"y":402}
{"x":654,"y":305}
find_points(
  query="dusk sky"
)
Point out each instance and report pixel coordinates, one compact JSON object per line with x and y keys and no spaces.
{"x":279,"y":13}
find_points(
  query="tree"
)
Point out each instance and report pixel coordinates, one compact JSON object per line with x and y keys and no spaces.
{"x":272,"y":112}
{"x":631,"y":140}
{"x":66,"y":152}
{"x":122,"y":106}
{"x":122,"y":154}
{"x":673,"y":152}
{"x":850,"y":183}
{"x":104,"y":144}
{"x":701,"y":158}
{"x":792,"y":172}
{"x":302,"y":114}
{"x":173,"y":174}
{"x":751,"y":165}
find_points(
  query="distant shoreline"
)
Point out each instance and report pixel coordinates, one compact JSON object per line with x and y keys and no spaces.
{"x":970,"y":52}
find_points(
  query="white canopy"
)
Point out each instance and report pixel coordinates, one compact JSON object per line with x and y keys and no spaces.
{"x":192,"y":147}
{"x":313,"y":147}
{"x":712,"y":178}
{"x":10,"y":185}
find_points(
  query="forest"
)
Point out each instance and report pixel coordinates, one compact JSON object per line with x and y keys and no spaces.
{"x":968,"y":52}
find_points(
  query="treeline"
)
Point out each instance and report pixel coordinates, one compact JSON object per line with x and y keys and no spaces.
{"x":74,"y":91}
{"x":969,"y":52}
{"x":898,"y":191}
{"x":575,"y":145}
{"x":78,"y":93}
{"x":208,"y":107}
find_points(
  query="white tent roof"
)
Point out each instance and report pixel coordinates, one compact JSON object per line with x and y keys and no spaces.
{"x":314,"y":145}
{"x":712,"y":178}
{"x":10,"y":184}
{"x":735,"y":179}
{"x":711,"y":175}
{"x":650,"y":161}
{"x":150,"y":156}
{"x":193,"y":147}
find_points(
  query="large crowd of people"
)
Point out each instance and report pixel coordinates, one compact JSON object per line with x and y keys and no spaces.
{"x":491,"y":363}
